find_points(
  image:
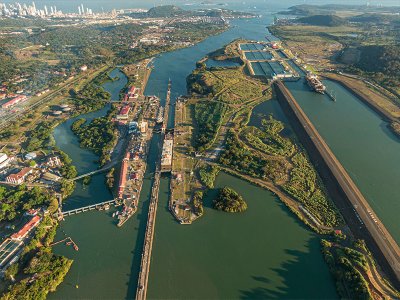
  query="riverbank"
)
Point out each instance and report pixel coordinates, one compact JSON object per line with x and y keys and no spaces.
{"x":378,"y":103}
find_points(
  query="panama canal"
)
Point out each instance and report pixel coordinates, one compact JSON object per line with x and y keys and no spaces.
{"x":262,"y":253}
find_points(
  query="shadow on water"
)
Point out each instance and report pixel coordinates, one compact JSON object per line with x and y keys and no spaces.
{"x":292,"y":271}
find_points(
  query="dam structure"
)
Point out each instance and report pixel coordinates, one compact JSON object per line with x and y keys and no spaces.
{"x":353,"y":206}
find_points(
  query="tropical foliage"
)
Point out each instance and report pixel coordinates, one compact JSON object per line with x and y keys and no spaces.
{"x":229,"y":200}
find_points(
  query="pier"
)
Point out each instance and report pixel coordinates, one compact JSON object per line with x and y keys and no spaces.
{"x":166,"y":107}
{"x":356,"y":210}
{"x":85,"y":208}
{"x":141,"y":290}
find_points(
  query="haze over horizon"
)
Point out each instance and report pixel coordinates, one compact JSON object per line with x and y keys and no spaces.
{"x":98,"y":5}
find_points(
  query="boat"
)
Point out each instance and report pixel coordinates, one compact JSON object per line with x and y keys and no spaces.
{"x":160,"y":115}
{"x":314,"y":83}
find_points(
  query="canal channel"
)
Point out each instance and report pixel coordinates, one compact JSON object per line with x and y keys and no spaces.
{"x":265,"y":252}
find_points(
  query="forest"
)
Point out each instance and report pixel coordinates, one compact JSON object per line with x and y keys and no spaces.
{"x":15,"y":201}
{"x":208,"y":117}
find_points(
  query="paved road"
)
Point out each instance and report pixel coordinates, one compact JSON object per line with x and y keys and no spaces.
{"x":377,"y":230}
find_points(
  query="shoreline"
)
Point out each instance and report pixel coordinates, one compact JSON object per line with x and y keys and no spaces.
{"x":384,"y":114}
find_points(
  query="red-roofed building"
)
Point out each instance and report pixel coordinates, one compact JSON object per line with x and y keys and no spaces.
{"x":26,"y":229}
{"x":19,"y":177}
{"x":132,"y":90}
{"x":122,"y":178}
{"x":133,"y":93}
{"x":14,"y":101}
{"x":124,"y":113}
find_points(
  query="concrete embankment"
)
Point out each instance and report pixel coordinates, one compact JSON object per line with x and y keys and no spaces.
{"x":354,"y":207}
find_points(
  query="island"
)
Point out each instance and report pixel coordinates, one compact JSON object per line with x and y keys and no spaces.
{"x":229,"y":200}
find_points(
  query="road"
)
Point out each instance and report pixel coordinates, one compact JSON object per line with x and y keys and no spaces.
{"x":375,"y":227}
{"x":11,"y":117}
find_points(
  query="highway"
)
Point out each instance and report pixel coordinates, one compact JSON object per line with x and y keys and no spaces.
{"x":366,"y":215}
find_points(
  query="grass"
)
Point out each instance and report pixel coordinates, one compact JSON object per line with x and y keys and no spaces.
{"x":208,"y":117}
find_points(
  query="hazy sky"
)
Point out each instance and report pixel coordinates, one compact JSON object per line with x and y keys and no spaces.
{"x":97,"y":5}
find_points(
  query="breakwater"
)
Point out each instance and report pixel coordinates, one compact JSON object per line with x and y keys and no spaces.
{"x":347,"y":197}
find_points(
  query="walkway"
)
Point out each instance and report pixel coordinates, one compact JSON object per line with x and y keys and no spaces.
{"x":85,"y":208}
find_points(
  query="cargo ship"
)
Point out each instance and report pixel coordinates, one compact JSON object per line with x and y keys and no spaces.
{"x":315,"y":84}
{"x":160,"y":115}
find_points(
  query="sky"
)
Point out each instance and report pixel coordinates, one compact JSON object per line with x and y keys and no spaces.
{"x":107,"y":5}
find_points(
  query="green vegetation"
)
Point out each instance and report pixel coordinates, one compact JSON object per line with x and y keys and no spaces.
{"x":14,"y":202}
{"x":381,"y":62}
{"x":293,"y":172}
{"x":229,"y":200}
{"x":67,"y":170}
{"x":164,"y":11}
{"x":92,"y":96}
{"x":98,"y":136}
{"x":86,"y":180}
{"x":44,"y":270}
{"x":304,"y":185}
{"x":208,"y":174}
{"x":229,"y":85}
{"x":345,"y":265}
{"x":197,"y":201}
{"x":238,"y":157}
{"x":208,"y":117}
{"x":269,"y":139}
{"x":40,"y":137}
{"x":110,"y":178}
{"x":322,"y":20}
{"x":309,"y":9}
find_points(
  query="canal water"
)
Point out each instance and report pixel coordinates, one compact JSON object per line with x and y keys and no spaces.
{"x":362,"y":142}
{"x":264,"y":252}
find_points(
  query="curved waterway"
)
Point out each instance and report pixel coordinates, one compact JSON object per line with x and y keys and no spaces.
{"x":264,"y":252}
{"x":362,"y":142}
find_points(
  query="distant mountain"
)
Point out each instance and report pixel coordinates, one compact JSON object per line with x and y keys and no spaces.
{"x":322,"y":20}
{"x":374,"y":18}
{"x":308,"y":10}
{"x":166,"y":11}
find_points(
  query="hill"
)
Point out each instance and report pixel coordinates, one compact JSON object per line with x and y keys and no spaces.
{"x":322,"y":20}
{"x":374,"y":18}
{"x":381,"y":59}
{"x":308,"y":10}
{"x":166,"y":11}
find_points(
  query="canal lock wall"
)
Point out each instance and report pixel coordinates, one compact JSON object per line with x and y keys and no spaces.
{"x":336,"y":189}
